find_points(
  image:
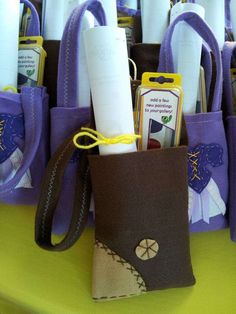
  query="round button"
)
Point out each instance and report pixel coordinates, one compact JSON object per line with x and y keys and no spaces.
{"x":147,"y":249}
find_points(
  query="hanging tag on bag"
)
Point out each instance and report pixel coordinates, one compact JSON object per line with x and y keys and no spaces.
{"x":159,"y":110}
{"x":31,"y":61}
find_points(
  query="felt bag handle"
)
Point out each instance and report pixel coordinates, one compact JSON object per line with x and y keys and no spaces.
{"x":33,"y":120}
{"x":228,"y":51}
{"x":198,"y":24}
{"x":54,"y":174}
{"x":67,"y":83}
{"x":34,"y":26}
{"x":48,"y":201}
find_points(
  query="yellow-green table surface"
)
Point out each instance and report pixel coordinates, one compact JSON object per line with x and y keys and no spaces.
{"x":37,"y":281}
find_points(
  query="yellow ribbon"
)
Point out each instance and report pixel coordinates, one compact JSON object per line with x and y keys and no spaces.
{"x":99,"y":139}
{"x":10,"y":88}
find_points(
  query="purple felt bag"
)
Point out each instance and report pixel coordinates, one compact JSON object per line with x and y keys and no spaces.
{"x":68,"y":116}
{"x":229,"y":51}
{"x":208,"y":154}
{"x":24,"y":137}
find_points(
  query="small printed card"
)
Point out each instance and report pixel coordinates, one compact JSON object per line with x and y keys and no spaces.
{"x":159,"y":110}
{"x":31,"y":61}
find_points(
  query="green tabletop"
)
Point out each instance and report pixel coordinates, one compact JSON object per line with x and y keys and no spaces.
{"x":36,"y":281}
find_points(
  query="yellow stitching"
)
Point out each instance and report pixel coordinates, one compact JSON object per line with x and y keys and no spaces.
{"x":194,"y":159}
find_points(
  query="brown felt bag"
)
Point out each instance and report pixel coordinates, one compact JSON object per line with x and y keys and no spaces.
{"x":141,"y":215}
{"x":141,"y":223}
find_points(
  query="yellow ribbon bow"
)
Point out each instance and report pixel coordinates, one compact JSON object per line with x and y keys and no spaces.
{"x":99,"y":139}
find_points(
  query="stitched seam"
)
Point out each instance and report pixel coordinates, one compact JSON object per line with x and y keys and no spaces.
{"x":50,"y":188}
{"x":67,"y":60}
{"x":197,"y":122}
{"x":33,"y":118}
{"x":124,"y":263}
{"x":116,"y":297}
{"x":85,"y":186}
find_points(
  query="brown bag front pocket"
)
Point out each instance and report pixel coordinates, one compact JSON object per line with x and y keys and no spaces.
{"x":142,"y":234}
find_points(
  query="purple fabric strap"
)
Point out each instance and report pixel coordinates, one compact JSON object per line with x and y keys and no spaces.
{"x":69,"y":52}
{"x":32,"y":108}
{"x":228,"y":51}
{"x":228,"y":22}
{"x":207,"y":65}
{"x":128,"y":11}
{"x":34,"y":26}
{"x":197,"y":23}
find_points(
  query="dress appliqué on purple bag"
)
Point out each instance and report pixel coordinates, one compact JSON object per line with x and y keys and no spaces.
{"x":205,"y":200}
{"x":12,"y":127}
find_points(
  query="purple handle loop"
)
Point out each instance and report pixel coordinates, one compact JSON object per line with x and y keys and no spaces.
{"x":32,"y":108}
{"x":128,"y":11}
{"x":34,"y":25}
{"x":228,"y":51}
{"x":67,"y":83}
{"x":197,"y":23}
{"x":207,"y":65}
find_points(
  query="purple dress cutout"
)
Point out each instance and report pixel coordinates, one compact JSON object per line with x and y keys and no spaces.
{"x":205,"y":200}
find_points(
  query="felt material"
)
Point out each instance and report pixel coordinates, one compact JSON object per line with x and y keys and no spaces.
{"x":68,"y":116}
{"x":51,"y":195}
{"x":124,"y":281}
{"x":204,"y":129}
{"x":145,"y":56}
{"x":137,"y":29}
{"x":64,"y":122}
{"x":24,"y":125}
{"x":228,"y":53}
{"x":32,"y":105}
{"x":211,"y":131}
{"x":37,"y":281}
{"x":52,"y":48}
{"x":141,"y":196}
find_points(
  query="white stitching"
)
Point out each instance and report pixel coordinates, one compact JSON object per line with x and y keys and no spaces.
{"x":67,"y":60}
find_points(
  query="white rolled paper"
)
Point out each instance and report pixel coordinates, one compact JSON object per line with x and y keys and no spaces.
{"x":187,"y":49}
{"x":155,"y":19}
{"x":233,"y":16}
{"x":84,"y":91}
{"x":55,"y":15}
{"x":53,"y":19}
{"x":215,"y":17}
{"x":110,"y":9}
{"x":9,"y":37}
{"x":108,"y":68}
